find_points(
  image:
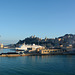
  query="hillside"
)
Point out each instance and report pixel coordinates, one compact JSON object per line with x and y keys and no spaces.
{"x":63,"y":41}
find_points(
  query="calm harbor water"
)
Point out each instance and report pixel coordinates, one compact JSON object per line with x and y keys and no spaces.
{"x":37,"y":65}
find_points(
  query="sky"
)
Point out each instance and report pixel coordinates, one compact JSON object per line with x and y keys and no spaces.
{"x":43,"y":18}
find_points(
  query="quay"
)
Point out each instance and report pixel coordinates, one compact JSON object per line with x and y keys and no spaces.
{"x":12,"y":54}
{"x":31,"y":54}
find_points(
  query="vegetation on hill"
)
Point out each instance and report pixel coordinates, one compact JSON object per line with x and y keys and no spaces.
{"x":63,"y":41}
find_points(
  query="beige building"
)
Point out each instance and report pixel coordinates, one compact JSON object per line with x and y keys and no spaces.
{"x":1,"y":45}
{"x":5,"y":47}
{"x":70,"y":46}
{"x":48,"y":51}
{"x":61,"y":45}
{"x":59,"y":39}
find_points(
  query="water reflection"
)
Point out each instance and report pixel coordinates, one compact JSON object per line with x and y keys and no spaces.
{"x":6,"y":50}
{"x":38,"y":65}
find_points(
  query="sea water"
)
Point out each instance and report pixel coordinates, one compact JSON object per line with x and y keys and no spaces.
{"x":37,"y":65}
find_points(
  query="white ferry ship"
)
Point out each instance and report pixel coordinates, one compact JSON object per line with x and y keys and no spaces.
{"x":25,"y":47}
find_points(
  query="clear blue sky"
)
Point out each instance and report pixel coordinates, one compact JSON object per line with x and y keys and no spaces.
{"x":22,"y":18}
